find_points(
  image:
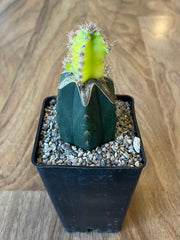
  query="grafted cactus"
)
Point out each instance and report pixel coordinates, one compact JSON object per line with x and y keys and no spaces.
{"x":85,"y":105}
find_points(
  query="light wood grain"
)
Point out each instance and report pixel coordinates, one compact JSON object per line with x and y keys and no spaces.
{"x":30,"y":215}
{"x":144,"y":64}
{"x":162,"y":40}
{"x":17,"y":22}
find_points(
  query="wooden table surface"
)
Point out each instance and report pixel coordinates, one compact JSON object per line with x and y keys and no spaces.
{"x":145,"y":63}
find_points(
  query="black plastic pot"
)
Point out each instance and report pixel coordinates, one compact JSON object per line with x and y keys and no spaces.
{"x":90,"y":198}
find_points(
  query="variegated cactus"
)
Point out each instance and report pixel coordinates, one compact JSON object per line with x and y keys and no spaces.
{"x":86,"y":101}
{"x":87,"y":49}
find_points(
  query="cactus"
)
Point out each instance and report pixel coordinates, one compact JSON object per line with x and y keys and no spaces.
{"x":87,"y":50}
{"x":86,"y":101}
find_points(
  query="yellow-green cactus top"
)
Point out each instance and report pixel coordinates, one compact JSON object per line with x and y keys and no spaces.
{"x":87,"y":51}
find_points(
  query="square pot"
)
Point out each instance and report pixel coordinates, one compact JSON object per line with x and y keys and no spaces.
{"x":90,"y":198}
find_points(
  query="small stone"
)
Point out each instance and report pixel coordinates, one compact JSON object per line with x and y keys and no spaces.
{"x":122,"y":162}
{"x":45,"y":127}
{"x":136,"y":144}
{"x":53,"y":147}
{"x":80,"y":160}
{"x":74,"y":154}
{"x":108,"y":155}
{"x":96,"y":156}
{"x":40,"y":143}
{"x":52,"y":158}
{"x":127,"y":155}
{"x":68,"y":152}
{"x":120,"y":137}
{"x":102,"y":163}
{"x":53,"y":162}
{"x":52,"y":102}
{"x":137,"y":163}
{"x":122,"y":149}
{"x":80,"y":154}
{"x":99,"y":158}
{"x":115,"y":147}
{"x":129,"y":141}
{"x":38,"y":160}
{"x":60,"y":161}
{"x":90,"y":156}
{"x":130,"y":161}
{"x":47,"y":154}
{"x":71,"y":158}
{"x":130,"y":147}
{"x":66,"y":146}
{"x":74,"y":148}
{"x":44,"y":161}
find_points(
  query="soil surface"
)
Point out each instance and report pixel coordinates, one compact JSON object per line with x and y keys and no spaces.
{"x":123,"y":151}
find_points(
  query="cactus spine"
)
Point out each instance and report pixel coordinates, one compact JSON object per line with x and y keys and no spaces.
{"x":85,"y":105}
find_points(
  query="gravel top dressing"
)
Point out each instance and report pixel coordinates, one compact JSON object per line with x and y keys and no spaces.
{"x":123,"y":151}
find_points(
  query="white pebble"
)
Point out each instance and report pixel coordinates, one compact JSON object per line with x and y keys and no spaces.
{"x":137,"y":164}
{"x":108,"y":155}
{"x":136,"y":144}
{"x":74,"y":148}
{"x":71,"y":157}
{"x":127,"y":155}
{"x":80,"y":154}
{"x":122,"y":162}
{"x":90,"y":156}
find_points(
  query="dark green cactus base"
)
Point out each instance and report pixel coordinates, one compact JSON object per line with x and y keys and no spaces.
{"x":85,"y":127}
